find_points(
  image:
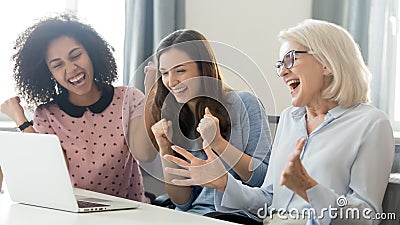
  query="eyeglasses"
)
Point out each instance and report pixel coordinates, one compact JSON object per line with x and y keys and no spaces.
{"x":288,"y":60}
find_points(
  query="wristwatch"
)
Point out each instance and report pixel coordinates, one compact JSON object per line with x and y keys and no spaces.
{"x":25,"y":125}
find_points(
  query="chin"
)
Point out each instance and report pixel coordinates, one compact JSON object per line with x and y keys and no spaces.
{"x":181,"y":98}
{"x":79,"y":91}
{"x":296,"y":103}
{"x":181,"y":101}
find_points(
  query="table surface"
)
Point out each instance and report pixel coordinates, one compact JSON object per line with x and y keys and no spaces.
{"x":17,"y":214}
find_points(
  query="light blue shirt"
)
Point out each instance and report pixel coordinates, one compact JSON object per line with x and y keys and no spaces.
{"x":250,"y":134}
{"x":350,"y":156}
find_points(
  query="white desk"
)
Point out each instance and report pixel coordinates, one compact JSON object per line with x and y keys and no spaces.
{"x":18,"y":214}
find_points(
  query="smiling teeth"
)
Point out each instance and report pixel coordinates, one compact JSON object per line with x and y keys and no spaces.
{"x":292,"y":82}
{"x":76,"y":78}
{"x":178,"y":90}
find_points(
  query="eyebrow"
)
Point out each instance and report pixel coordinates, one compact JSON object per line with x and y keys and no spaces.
{"x":162,"y":69}
{"x":70,"y":53}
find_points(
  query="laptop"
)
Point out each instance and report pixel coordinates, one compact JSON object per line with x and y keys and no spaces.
{"x":36,"y":174}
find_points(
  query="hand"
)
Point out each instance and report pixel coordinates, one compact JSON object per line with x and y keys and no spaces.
{"x":295,"y":176}
{"x":150,"y":79}
{"x":208,"y":173}
{"x":209,"y":129}
{"x":12,"y":108}
{"x":162,"y":131}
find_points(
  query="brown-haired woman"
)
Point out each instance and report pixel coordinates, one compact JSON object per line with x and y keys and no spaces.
{"x":190,"y":106}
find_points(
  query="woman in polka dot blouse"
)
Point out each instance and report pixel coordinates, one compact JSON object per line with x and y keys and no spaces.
{"x":192,"y":107}
{"x":66,"y":69}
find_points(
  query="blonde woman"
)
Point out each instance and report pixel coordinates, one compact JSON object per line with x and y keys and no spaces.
{"x":332,"y":151}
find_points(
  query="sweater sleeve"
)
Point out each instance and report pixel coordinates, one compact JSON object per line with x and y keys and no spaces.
{"x":259,"y":139}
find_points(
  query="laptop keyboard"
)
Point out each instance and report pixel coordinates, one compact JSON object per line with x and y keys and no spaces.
{"x":84,"y":204}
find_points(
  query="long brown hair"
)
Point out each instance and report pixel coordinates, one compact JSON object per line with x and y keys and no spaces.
{"x":159,"y":104}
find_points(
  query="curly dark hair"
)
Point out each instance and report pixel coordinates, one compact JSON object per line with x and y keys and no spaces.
{"x":31,"y":74}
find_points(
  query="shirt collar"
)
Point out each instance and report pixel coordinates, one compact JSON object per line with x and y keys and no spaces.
{"x":107,"y":94}
{"x":338,"y":111}
{"x":332,"y":114}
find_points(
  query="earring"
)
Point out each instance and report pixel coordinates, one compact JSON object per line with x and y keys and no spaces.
{"x":56,"y":87}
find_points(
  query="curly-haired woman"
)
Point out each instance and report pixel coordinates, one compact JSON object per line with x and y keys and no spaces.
{"x":65,"y":69}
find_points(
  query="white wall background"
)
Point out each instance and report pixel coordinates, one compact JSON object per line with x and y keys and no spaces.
{"x":252,"y":27}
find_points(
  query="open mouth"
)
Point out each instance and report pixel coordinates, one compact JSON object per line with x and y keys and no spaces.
{"x":77,"y":79}
{"x":293,"y":84}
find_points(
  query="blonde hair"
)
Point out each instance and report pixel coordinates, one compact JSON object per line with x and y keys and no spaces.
{"x":334,"y":48}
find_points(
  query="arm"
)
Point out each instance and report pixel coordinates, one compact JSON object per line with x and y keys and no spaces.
{"x":138,"y":139}
{"x":251,"y":199}
{"x":240,"y":162}
{"x":14,"y":110}
{"x":181,"y":196}
{"x":238,"y":197}
{"x":139,"y":142}
{"x":236,"y":159}
{"x":257,"y":137}
{"x":162,"y":131}
{"x":232,"y":195}
{"x":251,"y":162}
{"x":374,"y":158}
{"x":295,"y":176}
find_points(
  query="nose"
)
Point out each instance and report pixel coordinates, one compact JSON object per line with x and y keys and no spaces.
{"x":284,"y":71}
{"x":70,"y":67}
{"x":172,"y":79}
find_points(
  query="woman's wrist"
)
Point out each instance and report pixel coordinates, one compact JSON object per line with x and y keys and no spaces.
{"x":25,"y":125}
{"x":219,"y":145}
{"x":20,"y":119}
{"x":166,"y":150}
{"x":305,"y":187}
{"x":221,"y":183}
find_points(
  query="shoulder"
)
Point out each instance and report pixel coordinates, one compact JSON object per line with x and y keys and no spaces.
{"x":243,"y":102}
{"x":368,"y":113}
{"x":245,"y":97}
{"x":372,"y":110}
{"x":370,"y":121}
{"x":45,"y":110}
{"x":125,"y":91}
{"x":47,"y":107}
{"x":288,"y":113}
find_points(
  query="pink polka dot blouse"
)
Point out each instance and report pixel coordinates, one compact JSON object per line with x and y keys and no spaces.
{"x":93,"y":140}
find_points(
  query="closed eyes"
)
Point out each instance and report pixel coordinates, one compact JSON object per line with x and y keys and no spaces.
{"x":74,"y":56}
